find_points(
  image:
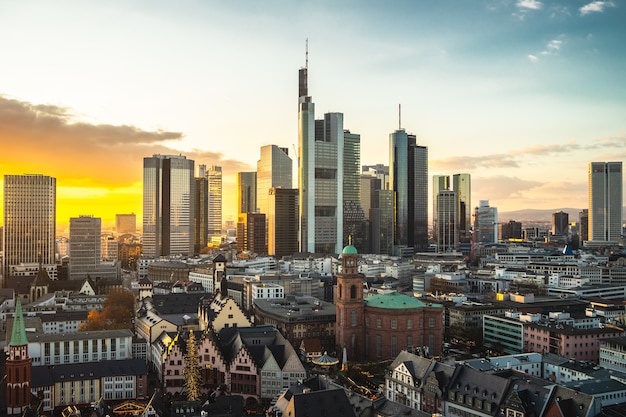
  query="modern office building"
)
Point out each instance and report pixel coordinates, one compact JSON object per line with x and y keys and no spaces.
{"x":251,"y":233}
{"x":510,"y":230}
{"x":282,"y":239}
{"x":440,"y":183}
{"x":85,"y":246}
{"x":408,"y":177}
{"x":462,"y":184}
{"x":584,"y":224}
{"x":355,"y":223}
{"x":29,"y":221}
{"x":246,"y":192}
{"x":274,"y":169}
{"x":320,"y":172}
{"x":214,"y":225}
{"x":447,"y":221}
{"x":605,"y":201}
{"x":485,"y":222}
{"x":560,"y":223}
{"x":201,"y":210}
{"x":168,"y":203}
{"x":125,"y":223}
{"x":505,"y":334}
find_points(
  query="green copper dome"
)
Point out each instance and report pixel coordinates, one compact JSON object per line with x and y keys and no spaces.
{"x":349,"y":250}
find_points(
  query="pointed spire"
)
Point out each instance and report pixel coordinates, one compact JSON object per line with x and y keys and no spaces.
{"x":18,"y":333}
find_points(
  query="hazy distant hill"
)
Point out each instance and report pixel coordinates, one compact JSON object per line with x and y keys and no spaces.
{"x":536,"y":215}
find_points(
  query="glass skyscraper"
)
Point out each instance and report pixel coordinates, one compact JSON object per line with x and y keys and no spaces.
{"x":320,"y":175}
{"x":605,"y":201}
{"x":214,"y":224}
{"x":408,"y":177}
{"x":29,"y":221}
{"x":246,"y":192}
{"x":168,"y":203}
{"x":85,"y":246}
{"x":274,"y":169}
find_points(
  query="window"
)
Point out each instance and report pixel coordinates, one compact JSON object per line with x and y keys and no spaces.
{"x":431,"y":322}
{"x":353,"y":318}
{"x":394,"y":323}
{"x":409,"y":324}
{"x":379,"y":323}
{"x":353,"y":292}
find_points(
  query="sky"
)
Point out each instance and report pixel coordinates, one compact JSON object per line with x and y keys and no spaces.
{"x":521,"y":94}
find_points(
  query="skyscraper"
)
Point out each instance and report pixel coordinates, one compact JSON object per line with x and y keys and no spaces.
{"x":560,"y":223}
{"x":168,"y":203}
{"x":282,"y":239}
{"x":440,"y":183}
{"x":462,"y":184}
{"x":251,"y":233}
{"x":605,"y":201}
{"x":447,"y":223}
{"x":274,"y":169}
{"x":485,"y":222}
{"x":215,"y":202}
{"x":320,"y":175}
{"x":201,"y":210}
{"x":29,"y":221}
{"x":408,"y":177}
{"x":246,"y":192}
{"x":85,"y":246}
{"x":355,"y":223}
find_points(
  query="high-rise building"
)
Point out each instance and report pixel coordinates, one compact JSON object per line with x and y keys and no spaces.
{"x":485,"y":222}
{"x":560,"y":223}
{"x":274,"y":170}
{"x":408,"y":177}
{"x":605,"y":201}
{"x":384,"y":231}
{"x":201,"y":210}
{"x":251,"y":233}
{"x":282,"y":222}
{"x":440,"y":183}
{"x":447,"y":232}
{"x":584,"y":225}
{"x":510,"y":230}
{"x":215,"y":201}
{"x":355,"y":223}
{"x":246,"y":192}
{"x":320,"y":173}
{"x":462,"y":184}
{"x":85,"y":246}
{"x":29,"y":221}
{"x":125,"y":223}
{"x":168,"y":203}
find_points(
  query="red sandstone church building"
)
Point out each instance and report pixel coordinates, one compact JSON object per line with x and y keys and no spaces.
{"x":378,"y":327}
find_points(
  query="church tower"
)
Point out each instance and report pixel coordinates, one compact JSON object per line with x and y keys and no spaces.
{"x":350,"y":333}
{"x":18,"y":365}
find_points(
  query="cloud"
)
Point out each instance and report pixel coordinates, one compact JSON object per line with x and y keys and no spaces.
{"x":529,"y":4}
{"x":533,"y":58}
{"x":595,"y":7}
{"x":103,"y":158}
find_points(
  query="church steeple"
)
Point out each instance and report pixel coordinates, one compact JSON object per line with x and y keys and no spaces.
{"x":18,"y":333}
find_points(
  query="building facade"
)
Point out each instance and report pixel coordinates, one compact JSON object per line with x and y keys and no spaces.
{"x":168,"y":184}
{"x":320,"y":172}
{"x":447,"y":221}
{"x":408,"y":178}
{"x":126,"y":223}
{"x":85,"y":246}
{"x":605,"y":201}
{"x":214,"y":224}
{"x":274,"y":170}
{"x":282,"y":229}
{"x":29,"y":221}
{"x":201,"y":210}
{"x":246,"y":192}
{"x":462,"y":184}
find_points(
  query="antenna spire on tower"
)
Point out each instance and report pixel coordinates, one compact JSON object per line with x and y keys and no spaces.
{"x":306,"y":62}
{"x":399,"y":116}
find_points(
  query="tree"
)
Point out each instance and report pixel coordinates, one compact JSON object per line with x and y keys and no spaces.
{"x":191,"y":371}
{"x":118,"y":310}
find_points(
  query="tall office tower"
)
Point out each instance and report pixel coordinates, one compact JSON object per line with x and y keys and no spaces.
{"x":85,"y":246}
{"x":215,"y":202}
{"x":447,"y":221}
{"x":168,"y":203}
{"x":440,"y":183}
{"x":125,"y":223}
{"x":274,"y":169}
{"x":282,"y":239}
{"x":355,"y":223}
{"x":320,"y":172}
{"x":251,"y":233}
{"x":384,"y":231}
{"x":462,"y":184}
{"x":408,"y":177}
{"x":380,"y":171}
{"x":246,"y":192}
{"x":200,"y":210}
{"x":560,"y":223}
{"x":485,"y":222}
{"x":605,"y":201}
{"x":584,"y":225}
{"x":29,"y":221}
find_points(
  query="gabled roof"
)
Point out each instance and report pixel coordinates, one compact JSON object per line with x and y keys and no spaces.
{"x":18,"y":333}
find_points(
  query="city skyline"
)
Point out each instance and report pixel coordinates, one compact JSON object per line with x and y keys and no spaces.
{"x":521,"y":95}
